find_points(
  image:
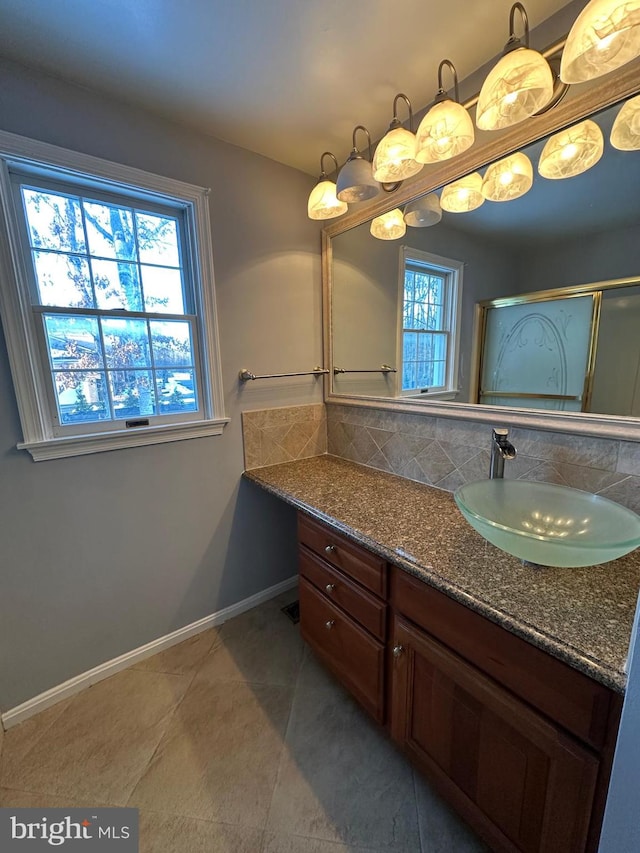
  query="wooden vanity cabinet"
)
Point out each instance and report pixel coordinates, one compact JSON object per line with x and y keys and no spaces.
{"x":343,"y":610}
{"x":519,"y":742}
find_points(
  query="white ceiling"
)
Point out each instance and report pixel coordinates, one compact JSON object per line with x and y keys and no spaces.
{"x":288,"y":79}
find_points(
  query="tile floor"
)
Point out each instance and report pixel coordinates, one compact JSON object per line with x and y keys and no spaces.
{"x":235,"y":741}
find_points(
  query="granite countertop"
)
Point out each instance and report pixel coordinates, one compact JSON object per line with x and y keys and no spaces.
{"x":581,"y":616}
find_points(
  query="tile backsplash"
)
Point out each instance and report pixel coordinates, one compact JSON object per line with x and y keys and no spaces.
{"x":282,"y":435}
{"x":442,"y":452}
{"x":447,"y":452}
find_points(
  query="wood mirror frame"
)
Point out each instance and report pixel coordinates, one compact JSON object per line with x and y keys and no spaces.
{"x":602,"y":93}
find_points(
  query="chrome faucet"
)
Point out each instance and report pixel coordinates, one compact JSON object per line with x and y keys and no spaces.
{"x":501,"y":449}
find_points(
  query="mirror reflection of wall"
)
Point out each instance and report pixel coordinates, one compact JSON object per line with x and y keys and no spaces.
{"x":616,"y":381}
{"x":562,"y":233}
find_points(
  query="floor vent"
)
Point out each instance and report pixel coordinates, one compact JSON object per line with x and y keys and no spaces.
{"x":292,"y":611}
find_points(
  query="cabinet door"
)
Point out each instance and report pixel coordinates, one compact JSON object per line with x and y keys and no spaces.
{"x":523,"y":783}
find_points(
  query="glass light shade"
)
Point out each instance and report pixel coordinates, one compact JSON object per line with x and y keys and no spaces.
{"x":463,"y":195}
{"x":572,"y":151}
{"x":605,"y":35}
{"x":355,"y":181}
{"x":625,"y":133}
{"x":395,"y":157}
{"x":423,"y":212}
{"x":323,"y":203}
{"x":508,"y":178}
{"x":445,"y":131}
{"x":389,"y":226}
{"x":516,"y":88}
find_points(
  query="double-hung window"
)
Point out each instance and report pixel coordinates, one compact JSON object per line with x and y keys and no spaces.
{"x":111,"y":284}
{"x":430,"y":300}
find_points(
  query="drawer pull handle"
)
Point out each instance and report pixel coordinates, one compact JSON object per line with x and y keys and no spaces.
{"x":329,"y":625}
{"x":398,"y":650}
{"x":330,"y":587}
{"x":330,"y":549}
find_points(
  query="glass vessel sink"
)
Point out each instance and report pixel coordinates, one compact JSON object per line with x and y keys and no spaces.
{"x":549,"y":525}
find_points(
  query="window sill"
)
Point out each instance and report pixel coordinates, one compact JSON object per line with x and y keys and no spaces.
{"x":435,"y":395}
{"x":81,"y":445}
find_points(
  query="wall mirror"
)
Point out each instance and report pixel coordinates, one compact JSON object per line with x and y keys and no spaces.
{"x":549,"y":280}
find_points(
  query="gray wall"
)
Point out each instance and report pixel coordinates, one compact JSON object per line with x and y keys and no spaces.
{"x":581,"y":260}
{"x":100,"y":554}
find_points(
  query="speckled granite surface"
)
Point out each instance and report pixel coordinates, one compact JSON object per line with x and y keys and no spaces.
{"x":582,"y":616}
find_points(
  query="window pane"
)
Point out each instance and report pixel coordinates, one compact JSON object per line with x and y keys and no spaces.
{"x":133,"y":393}
{"x":162,"y":290}
{"x":157,"y":240}
{"x":425,"y":347}
{"x":420,"y":315}
{"x":171,"y":342}
{"x":73,"y":342}
{"x":63,"y":280}
{"x":54,"y":221}
{"x":440,"y":347}
{"x":438,"y":373}
{"x":81,"y":396}
{"x":409,"y":285}
{"x":126,"y":343}
{"x":176,"y":391}
{"x":117,"y":285}
{"x":410,"y":344}
{"x":408,"y":376}
{"x":110,"y":231}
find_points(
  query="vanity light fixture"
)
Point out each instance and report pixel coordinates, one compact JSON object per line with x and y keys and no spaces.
{"x":447,"y":129}
{"x":463,"y":195}
{"x":520,"y":85}
{"x":508,"y":178}
{"x":395,"y":157}
{"x":423,"y":212}
{"x":355,"y":181}
{"x":605,"y":35}
{"x":323,"y":202}
{"x":572,"y":151}
{"x":389,"y":226}
{"x":625,"y":133}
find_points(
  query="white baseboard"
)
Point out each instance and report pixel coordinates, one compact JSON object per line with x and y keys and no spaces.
{"x":92,"y":676}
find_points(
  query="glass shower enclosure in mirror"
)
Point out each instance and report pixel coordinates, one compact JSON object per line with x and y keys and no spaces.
{"x":406,"y":323}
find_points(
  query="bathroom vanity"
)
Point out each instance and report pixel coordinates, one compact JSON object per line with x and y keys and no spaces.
{"x":503,"y":683}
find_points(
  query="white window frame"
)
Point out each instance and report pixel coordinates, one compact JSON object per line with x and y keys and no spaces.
{"x":29,"y":372}
{"x":452,"y":271}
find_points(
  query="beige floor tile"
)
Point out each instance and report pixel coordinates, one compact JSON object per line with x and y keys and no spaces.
{"x":341,"y":780}
{"x":23,"y":737}
{"x":219,"y":758}
{"x":262,"y":646}
{"x":281,"y":843}
{"x":262,"y":617}
{"x":314,"y":675}
{"x":98,"y":748}
{"x":10,"y":799}
{"x":441,"y":829}
{"x":183,"y":658}
{"x":170,"y":834}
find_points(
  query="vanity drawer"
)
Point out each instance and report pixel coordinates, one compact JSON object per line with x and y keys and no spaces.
{"x":346,"y":648}
{"x":358,"y":563}
{"x":369,"y":611}
{"x":573,"y":700}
